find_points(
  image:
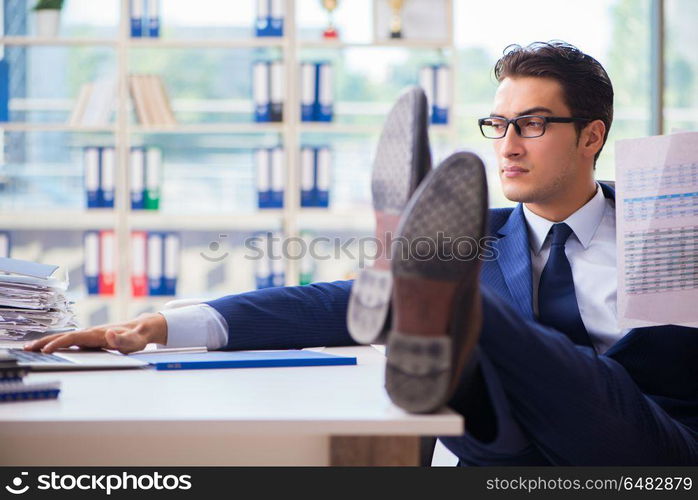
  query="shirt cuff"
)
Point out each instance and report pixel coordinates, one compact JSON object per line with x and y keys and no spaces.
{"x":195,"y":325}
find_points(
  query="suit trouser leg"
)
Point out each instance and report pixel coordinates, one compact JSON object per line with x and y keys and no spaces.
{"x":572,"y":406}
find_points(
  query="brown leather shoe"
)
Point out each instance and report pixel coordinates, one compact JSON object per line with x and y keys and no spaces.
{"x":437,"y":310}
{"x":402,"y":161}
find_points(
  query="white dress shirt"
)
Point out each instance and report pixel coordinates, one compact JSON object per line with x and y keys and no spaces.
{"x":195,"y":325}
{"x":591,"y":251}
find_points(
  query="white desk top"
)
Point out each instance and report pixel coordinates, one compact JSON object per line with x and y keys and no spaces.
{"x":332,"y":400}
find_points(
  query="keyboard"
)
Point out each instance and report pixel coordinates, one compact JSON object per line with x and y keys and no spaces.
{"x":23,"y":356}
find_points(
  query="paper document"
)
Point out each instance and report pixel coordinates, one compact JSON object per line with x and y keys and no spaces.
{"x":657,"y":230}
{"x":26,"y":267}
{"x":31,"y":302}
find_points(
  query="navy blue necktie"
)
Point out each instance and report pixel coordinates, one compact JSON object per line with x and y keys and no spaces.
{"x":557,"y":302}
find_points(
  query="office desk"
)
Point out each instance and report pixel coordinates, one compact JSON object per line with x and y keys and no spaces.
{"x":335,"y":415}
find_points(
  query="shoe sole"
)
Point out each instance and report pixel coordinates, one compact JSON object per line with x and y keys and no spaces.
{"x":436,"y":300}
{"x":402,"y":160}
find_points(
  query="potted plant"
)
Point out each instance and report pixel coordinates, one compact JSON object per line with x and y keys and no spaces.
{"x":48,"y":17}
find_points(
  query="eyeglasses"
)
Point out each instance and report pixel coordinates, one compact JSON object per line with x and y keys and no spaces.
{"x":527,"y":126}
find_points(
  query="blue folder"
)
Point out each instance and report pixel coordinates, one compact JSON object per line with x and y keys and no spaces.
{"x":242,"y":359}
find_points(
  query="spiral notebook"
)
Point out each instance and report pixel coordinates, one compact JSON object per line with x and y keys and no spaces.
{"x":242,"y":359}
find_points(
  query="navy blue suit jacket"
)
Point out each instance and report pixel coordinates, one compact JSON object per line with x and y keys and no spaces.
{"x":662,"y":361}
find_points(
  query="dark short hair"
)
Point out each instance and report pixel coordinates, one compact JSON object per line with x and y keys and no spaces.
{"x":586,"y":87}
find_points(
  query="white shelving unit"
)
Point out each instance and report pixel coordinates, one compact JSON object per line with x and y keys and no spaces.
{"x":53,"y":127}
{"x":123,"y":220}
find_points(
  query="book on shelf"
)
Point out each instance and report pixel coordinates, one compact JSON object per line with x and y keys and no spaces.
{"x":91,"y":261}
{"x":144,"y":18}
{"x":150,"y":101}
{"x":162,"y":262}
{"x":107,"y":178}
{"x":307,"y":92}
{"x":95,"y":103}
{"x":316,"y":165}
{"x":4,"y":91}
{"x":317,"y":91}
{"x":435,"y":80}
{"x":137,"y":177}
{"x":80,"y":104}
{"x":269,"y":266}
{"x":136,"y":15}
{"x":153,"y":18}
{"x":99,"y":263}
{"x":90,"y":162}
{"x":107,"y":262}
{"x":270,"y":177}
{"x":325,"y":92}
{"x":139,"y":278}
{"x":323,"y":176}
{"x":146,"y":177}
{"x":261,"y":95}
{"x":276,"y":90}
{"x":170,"y":269}
{"x":154,"y":262}
{"x":307,"y":263}
{"x":268,"y":90}
{"x":100,"y":176}
{"x":269,"y":18}
{"x":153,"y":178}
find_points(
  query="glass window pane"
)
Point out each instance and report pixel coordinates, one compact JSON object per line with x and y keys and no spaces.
{"x":681,"y":66}
{"x":45,"y":82}
{"x":207,"y":19}
{"x":44,"y":170}
{"x":216,"y":86}
{"x":78,"y":18}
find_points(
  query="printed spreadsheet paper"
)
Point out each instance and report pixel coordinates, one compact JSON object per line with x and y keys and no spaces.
{"x":657,"y":230}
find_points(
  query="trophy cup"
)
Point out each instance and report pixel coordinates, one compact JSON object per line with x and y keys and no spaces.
{"x":396,"y":19}
{"x":330,"y":32}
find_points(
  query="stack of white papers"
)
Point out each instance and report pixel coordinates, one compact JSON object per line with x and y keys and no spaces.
{"x":31,"y":302}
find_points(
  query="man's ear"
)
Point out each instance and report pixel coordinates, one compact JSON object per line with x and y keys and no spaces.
{"x":591,"y":140}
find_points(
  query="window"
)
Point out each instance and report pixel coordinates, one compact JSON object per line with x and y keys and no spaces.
{"x":681,"y":66}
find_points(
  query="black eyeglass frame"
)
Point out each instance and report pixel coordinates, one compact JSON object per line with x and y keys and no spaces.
{"x":513,"y":121}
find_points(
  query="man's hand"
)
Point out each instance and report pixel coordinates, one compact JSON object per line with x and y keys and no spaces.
{"x":125,"y":337}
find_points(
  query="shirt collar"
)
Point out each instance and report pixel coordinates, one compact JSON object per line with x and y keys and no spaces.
{"x":583,"y":222}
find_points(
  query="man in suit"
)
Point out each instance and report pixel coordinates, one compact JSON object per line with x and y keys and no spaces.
{"x":546,"y":377}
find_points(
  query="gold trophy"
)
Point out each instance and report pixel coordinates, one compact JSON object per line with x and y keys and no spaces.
{"x":396,"y":19}
{"x":330,"y":32}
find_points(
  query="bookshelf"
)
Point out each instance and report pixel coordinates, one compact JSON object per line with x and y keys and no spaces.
{"x":55,"y":127}
{"x":57,"y":42}
{"x":290,"y":220}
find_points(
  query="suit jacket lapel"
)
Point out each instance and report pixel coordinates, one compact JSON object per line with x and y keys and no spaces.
{"x":515,"y":256}
{"x":608,"y":191}
{"x":515,"y":260}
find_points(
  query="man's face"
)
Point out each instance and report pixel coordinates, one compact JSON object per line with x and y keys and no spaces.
{"x":540,"y":169}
